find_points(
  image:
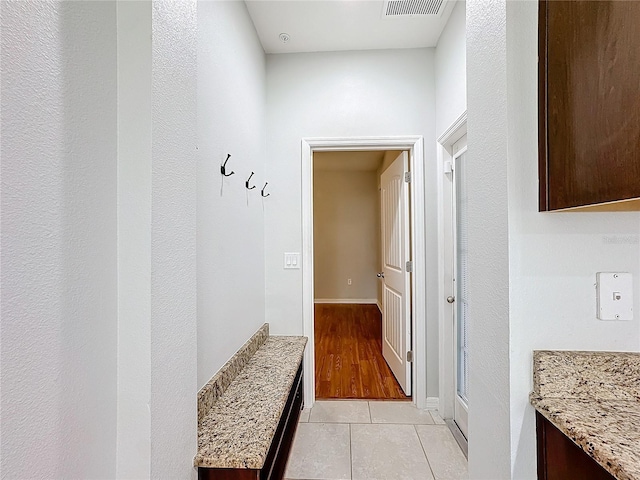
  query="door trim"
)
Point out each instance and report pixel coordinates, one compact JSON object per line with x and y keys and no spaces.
{"x":445,"y":327}
{"x":413,"y":144}
{"x":460,"y":405}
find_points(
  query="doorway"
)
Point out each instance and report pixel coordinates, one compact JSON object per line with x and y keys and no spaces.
{"x":415,"y":158}
{"x":454,"y":317}
{"x":459,"y":298}
{"x":353,"y":206}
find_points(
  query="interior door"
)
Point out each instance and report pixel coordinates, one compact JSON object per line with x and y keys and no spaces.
{"x":460,"y":310}
{"x":396,"y":327}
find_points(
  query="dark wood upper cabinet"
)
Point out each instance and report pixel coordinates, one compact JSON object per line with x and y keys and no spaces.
{"x":589,"y":104}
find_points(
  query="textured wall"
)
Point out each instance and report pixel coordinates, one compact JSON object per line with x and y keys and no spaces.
{"x":59,"y":297}
{"x":134,"y":239}
{"x":451,"y":70}
{"x":489,"y":426}
{"x":173,"y":240}
{"x":231,"y":119}
{"x":554,"y":257}
{"x":342,"y":94}
{"x":532,"y":274}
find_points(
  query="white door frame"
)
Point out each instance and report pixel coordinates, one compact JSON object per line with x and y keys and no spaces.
{"x":413,"y":144}
{"x":447,"y":350}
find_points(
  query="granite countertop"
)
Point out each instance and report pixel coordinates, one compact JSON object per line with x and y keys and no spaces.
{"x":594,"y":399}
{"x":237,"y":429}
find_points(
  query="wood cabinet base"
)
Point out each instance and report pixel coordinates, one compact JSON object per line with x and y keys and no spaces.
{"x":561,"y":459}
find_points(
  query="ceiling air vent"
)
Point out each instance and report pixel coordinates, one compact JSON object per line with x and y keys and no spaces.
{"x":400,"y":8}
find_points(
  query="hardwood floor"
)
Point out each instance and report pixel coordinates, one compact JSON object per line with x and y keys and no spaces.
{"x":348,"y":351}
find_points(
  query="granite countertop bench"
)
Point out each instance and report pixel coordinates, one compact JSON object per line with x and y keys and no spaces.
{"x":594,"y":399}
{"x":237,"y":421}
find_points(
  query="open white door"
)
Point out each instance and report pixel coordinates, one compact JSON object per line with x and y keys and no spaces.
{"x":396,"y":328}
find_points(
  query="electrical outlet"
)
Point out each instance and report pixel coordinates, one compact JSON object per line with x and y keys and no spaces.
{"x":348,"y":281}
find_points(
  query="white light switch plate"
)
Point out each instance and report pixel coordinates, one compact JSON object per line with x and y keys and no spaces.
{"x":615,"y":296}
{"x":291,"y":260}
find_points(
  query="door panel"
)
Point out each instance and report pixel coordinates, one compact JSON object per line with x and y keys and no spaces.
{"x":392,"y":321}
{"x":391,"y":212}
{"x":396,"y":332}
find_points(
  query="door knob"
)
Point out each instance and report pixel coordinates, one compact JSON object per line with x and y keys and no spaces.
{"x":451,"y":299}
{"x":380,"y":275}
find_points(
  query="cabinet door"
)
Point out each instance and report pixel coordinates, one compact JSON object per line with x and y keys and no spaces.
{"x":559,"y":458}
{"x":589,"y":69}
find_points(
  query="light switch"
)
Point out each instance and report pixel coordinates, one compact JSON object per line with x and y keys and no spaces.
{"x":291,"y":260}
{"x":615,"y":296}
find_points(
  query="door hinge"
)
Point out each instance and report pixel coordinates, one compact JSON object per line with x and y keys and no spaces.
{"x":409,"y":266}
{"x":407,"y":177}
{"x":410,"y":356}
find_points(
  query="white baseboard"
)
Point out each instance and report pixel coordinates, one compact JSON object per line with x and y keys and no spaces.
{"x":365,"y":301}
{"x":433,"y":403}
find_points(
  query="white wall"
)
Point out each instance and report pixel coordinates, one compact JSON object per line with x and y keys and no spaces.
{"x":534,"y":272}
{"x":341,"y":94}
{"x":59,"y":285}
{"x":75,"y":222}
{"x":231,"y":119}
{"x":173,"y":240}
{"x":554,"y":257}
{"x":134,"y":239}
{"x":487,"y":135}
{"x":346,"y":234}
{"x":451,"y":70}
{"x":451,"y":102}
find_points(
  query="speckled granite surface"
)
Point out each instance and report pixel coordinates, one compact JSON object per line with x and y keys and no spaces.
{"x":593,"y":398}
{"x":221,"y":380}
{"x":601,"y":375}
{"x":238,"y":428}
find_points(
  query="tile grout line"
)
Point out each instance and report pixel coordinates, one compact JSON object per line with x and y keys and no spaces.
{"x":369,"y":421}
{"x":425,"y":452}
{"x":434,"y":420}
{"x":350,"y":454}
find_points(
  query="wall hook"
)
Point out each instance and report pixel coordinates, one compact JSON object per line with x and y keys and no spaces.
{"x":246,"y":184}
{"x":223,"y":167}
{"x":262,"y":192}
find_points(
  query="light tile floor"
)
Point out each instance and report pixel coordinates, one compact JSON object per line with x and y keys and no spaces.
{"x":373,"y":440}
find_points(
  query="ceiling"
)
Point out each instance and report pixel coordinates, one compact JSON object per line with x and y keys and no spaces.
{"x":358,"y":161}
{"x":332,"y":25}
